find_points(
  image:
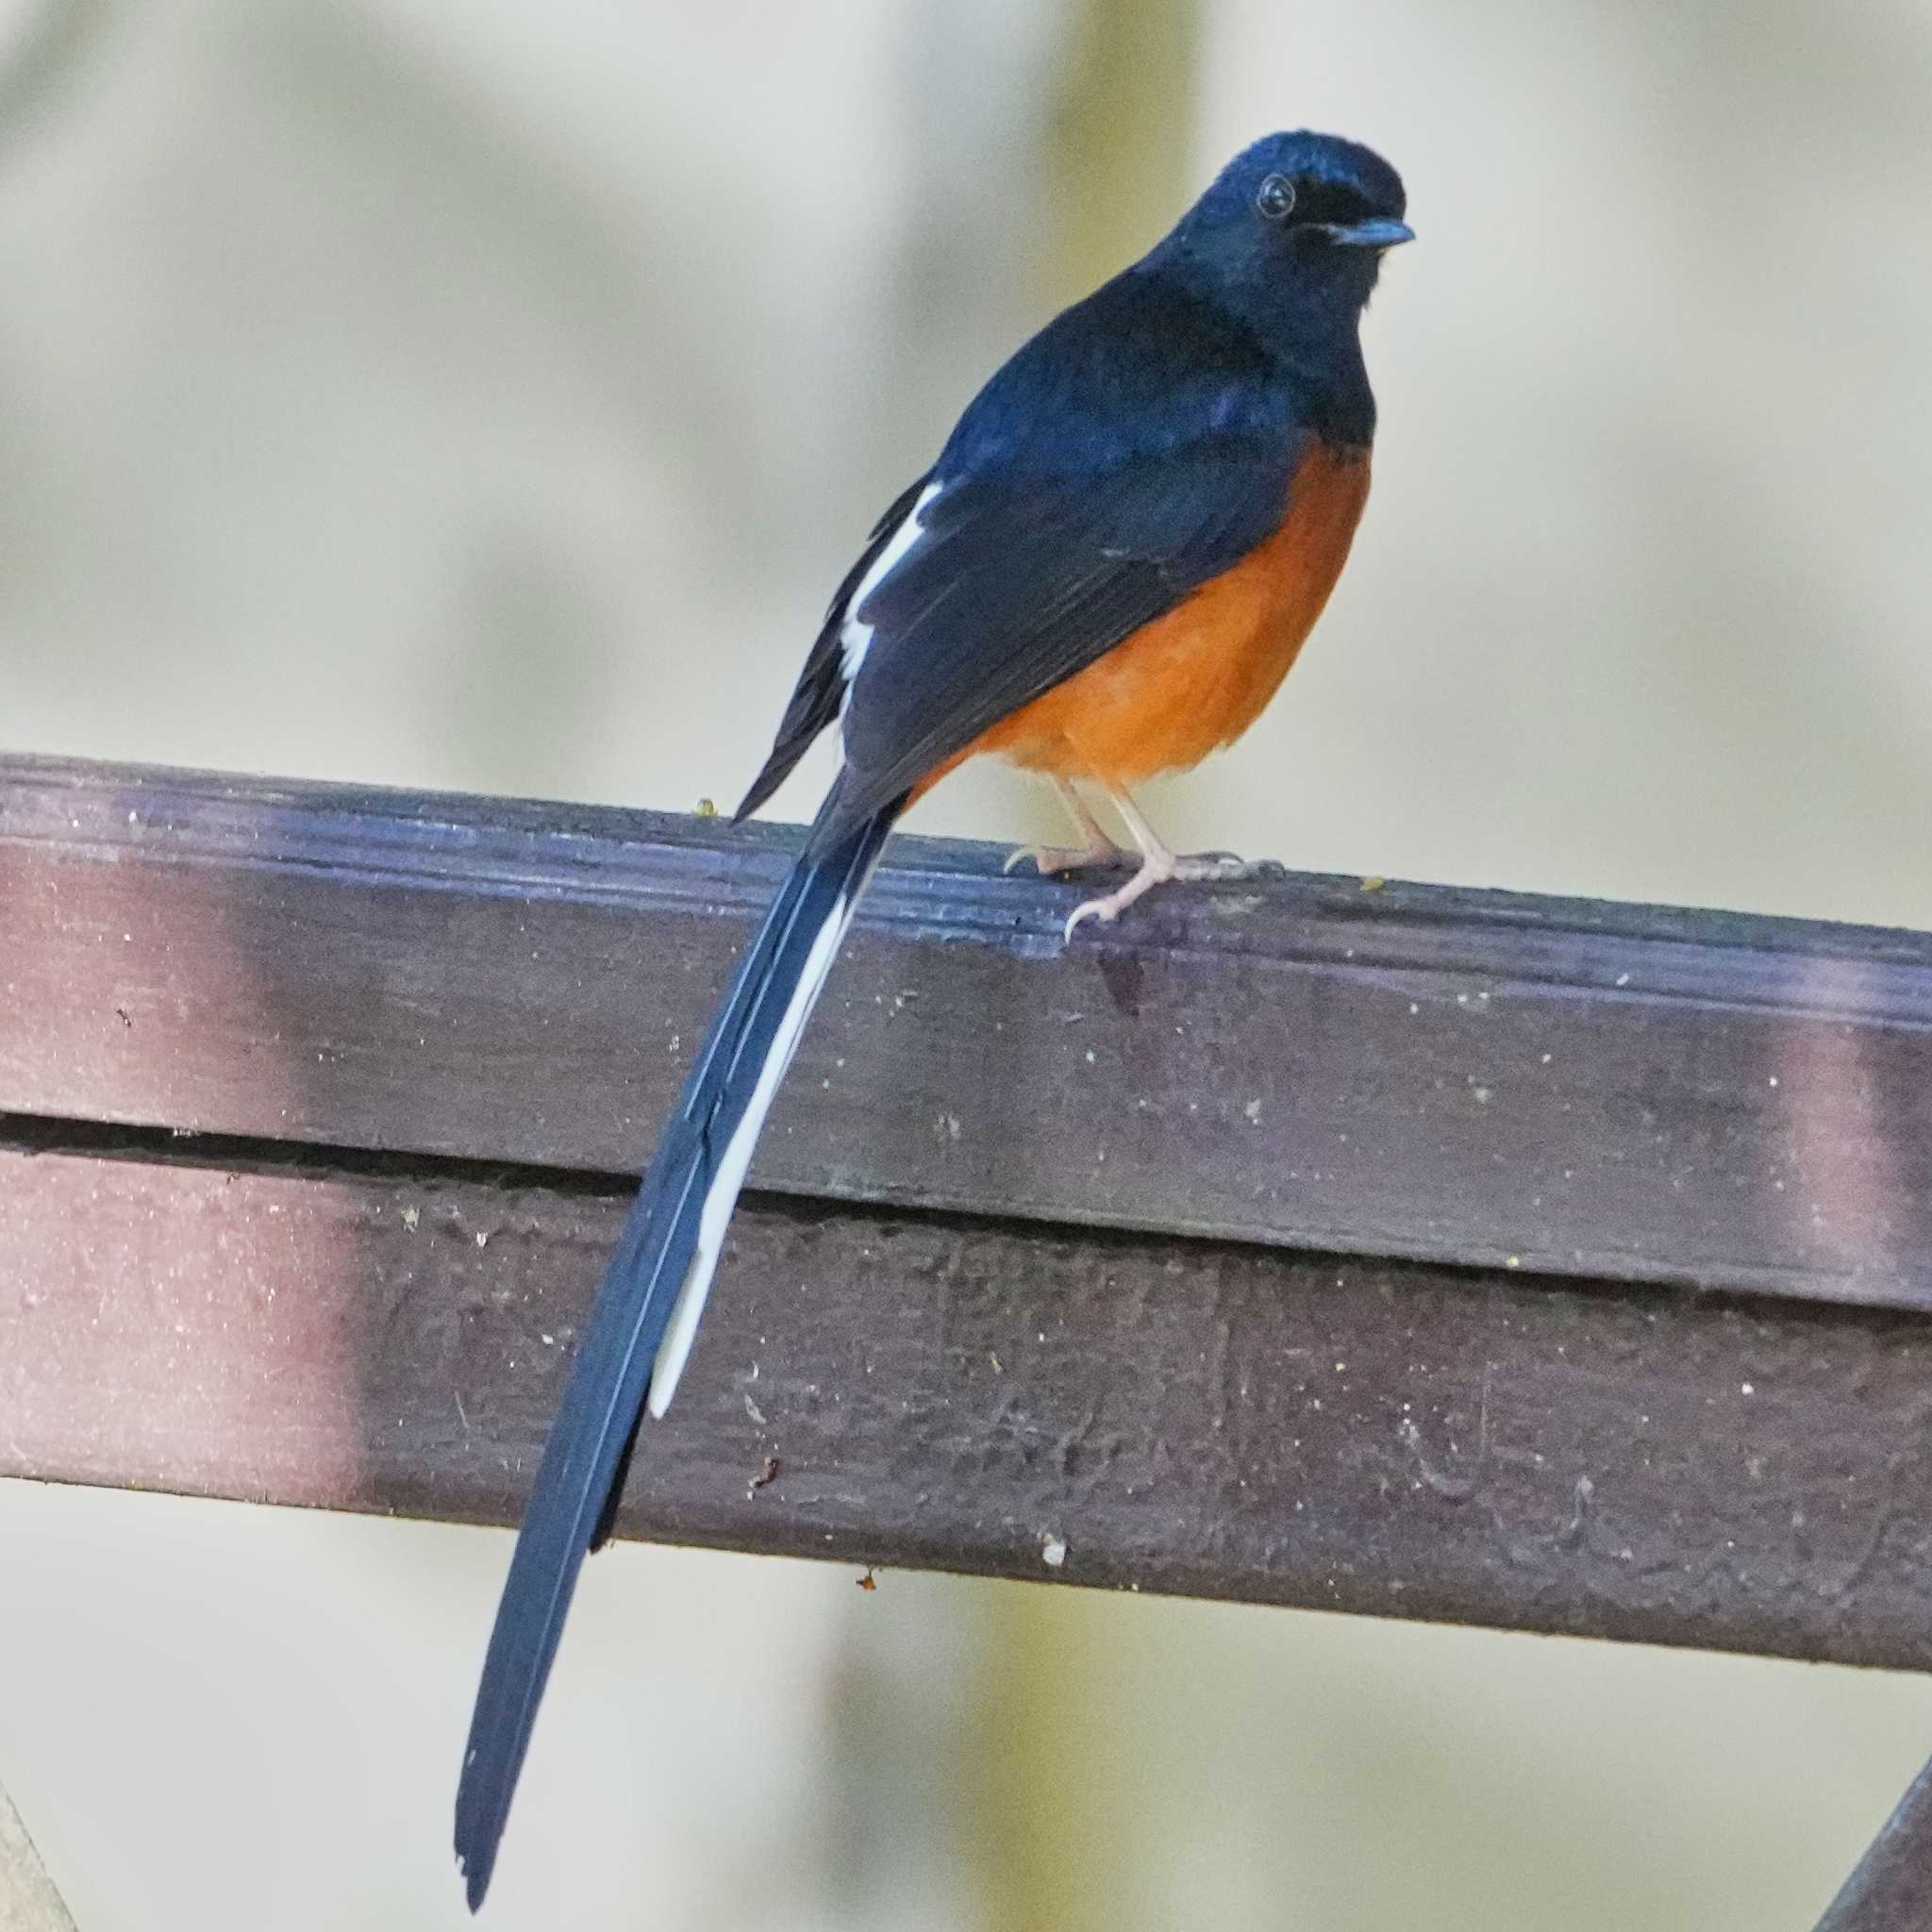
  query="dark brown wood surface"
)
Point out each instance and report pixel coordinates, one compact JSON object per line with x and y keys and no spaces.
{"x":1392,"y":1437}
{"x":1414,"y":1251}
{"x":1616,"y":1092}
{"x":1293,"y":1243}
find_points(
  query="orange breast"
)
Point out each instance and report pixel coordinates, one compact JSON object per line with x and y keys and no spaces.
{"x":1195,"y":680}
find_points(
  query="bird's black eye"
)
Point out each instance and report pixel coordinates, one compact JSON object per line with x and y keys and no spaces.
{"x":1274,"y":198}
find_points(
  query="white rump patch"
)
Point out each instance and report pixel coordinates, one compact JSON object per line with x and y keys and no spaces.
{"x":855,"y":639}
{"x":725,"y":1184}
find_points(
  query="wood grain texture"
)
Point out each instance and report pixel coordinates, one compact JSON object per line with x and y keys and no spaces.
{"x":1391,"y":1437}
{"x":1632,"y":1093}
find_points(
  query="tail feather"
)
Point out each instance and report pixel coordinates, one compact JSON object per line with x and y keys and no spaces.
{"x":634,"y":1346}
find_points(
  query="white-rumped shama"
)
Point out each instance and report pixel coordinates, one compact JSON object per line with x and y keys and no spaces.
{"x":1106,"y":575}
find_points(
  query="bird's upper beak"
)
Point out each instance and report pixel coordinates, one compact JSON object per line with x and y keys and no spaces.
{"x":1381,"y":232}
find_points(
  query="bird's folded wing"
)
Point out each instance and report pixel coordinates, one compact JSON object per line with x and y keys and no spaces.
{"x":1017,"y":582}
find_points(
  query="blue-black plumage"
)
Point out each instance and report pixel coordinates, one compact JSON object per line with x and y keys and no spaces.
{"x":1171,"y":445}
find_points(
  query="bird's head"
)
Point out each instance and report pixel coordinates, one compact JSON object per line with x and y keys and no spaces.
{"x":1298,"y":219}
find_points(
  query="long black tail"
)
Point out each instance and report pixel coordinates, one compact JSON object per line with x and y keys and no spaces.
{"x":641,"y":1324}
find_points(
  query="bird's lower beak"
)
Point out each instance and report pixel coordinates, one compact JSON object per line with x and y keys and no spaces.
{"x":1379,"y":233}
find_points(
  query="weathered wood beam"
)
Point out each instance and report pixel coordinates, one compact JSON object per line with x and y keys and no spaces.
{"x":1133,"y":1411}
{"x":1611,"y":1091}
{"x":1294,"y":1242}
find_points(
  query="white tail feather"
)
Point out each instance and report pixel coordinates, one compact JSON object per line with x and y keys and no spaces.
{"x":721,"y":1197}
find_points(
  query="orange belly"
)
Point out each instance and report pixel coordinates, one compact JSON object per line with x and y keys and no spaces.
{"x":1195,"y":680}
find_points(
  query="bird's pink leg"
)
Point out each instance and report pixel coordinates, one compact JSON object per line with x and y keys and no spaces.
{"x":1157,"y":865}
{"x":1095,"y":847}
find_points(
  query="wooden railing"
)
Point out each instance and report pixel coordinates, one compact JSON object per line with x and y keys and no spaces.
{"x":1466,"y":1255}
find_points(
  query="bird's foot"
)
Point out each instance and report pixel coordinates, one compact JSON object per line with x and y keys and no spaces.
{"x":1156,"y":869}
{"x":1218,"y":865}
{"x":1048,"y":860}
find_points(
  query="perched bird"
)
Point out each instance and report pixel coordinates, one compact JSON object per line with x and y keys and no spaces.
{"x":1106,"y":575}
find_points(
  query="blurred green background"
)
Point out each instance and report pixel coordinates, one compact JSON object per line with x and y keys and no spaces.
{"x":490,"y":395}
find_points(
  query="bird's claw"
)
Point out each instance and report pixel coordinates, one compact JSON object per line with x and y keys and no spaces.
{"x":1156,"y":870}
{"x":1108,"y":909}
{"x":1226,"y":865}
{"x":1051,"y":860}
{"x":1103,"y":909}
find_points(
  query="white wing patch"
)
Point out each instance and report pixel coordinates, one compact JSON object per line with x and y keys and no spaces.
{"x":855,"y":639}
{"x":725,"y":1184}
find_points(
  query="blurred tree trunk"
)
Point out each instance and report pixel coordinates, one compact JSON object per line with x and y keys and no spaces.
{"x":1058,"y":1768}
{"x":1120,"y":142}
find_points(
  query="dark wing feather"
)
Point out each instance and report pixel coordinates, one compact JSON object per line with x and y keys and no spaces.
{"x":1015,"y":587}
{"x":1140,"y":443}
{"x":822,"y":683}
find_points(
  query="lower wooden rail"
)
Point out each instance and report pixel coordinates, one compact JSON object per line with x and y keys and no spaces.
{"x":1133,"y":1411}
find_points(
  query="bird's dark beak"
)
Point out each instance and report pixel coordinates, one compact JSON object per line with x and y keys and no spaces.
{"x":1379,"y":233}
